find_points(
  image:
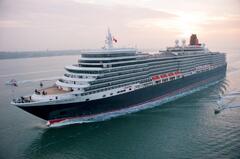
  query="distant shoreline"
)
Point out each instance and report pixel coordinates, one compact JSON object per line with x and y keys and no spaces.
{"x":4,"y":55}
{"x":31,"y":54}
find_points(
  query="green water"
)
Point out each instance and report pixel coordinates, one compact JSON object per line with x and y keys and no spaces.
{"x":185,"y":128}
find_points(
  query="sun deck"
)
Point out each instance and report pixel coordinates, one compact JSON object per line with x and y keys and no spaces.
{"x":52,"y":90}
{"x":49,"y":94}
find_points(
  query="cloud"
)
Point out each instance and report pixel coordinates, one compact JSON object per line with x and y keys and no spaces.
{"x":75,"y":24}
{"x":64,"y":13}
{"x":227,"y":23}
{"x":66,"y":24}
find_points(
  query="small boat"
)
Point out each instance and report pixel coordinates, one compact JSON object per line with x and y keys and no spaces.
{"x":12,"y":82}
{"x":218,"y":110}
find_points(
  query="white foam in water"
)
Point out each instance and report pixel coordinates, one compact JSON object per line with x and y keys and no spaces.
{"x":234,"y":106}
{"x":114,"y":114}
{"x":230,"y":100}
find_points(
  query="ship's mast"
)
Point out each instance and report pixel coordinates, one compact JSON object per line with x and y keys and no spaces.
{"x":109,"y":40}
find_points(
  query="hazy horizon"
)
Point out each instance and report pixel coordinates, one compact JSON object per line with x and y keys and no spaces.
{"x":29,"y":25}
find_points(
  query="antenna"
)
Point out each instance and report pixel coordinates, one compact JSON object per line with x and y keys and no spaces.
{"x":176,"y":42}
{"x":183,"y":42}
{"x":109,"y":39}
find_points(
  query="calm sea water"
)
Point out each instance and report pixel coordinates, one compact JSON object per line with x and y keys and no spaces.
{"x":185,"y":128}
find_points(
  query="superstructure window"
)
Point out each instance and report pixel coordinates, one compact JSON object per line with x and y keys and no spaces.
{"x":109,"y":55}
{"x":104,"y":61}
{"x":83,"y":71}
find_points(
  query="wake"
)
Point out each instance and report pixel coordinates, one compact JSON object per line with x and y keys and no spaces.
{"x":228,"y":101}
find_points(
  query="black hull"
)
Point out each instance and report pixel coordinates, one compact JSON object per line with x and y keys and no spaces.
{"x":63,"y":111}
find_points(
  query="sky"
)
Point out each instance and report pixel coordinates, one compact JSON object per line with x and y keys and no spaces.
{"x":28,"y":25}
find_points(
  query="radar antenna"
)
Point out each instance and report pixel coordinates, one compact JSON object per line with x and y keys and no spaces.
{"x":176,"y":43}
{"x":183,"y":42}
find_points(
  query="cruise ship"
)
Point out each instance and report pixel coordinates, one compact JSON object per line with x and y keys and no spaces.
{"x":114,"y":79}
